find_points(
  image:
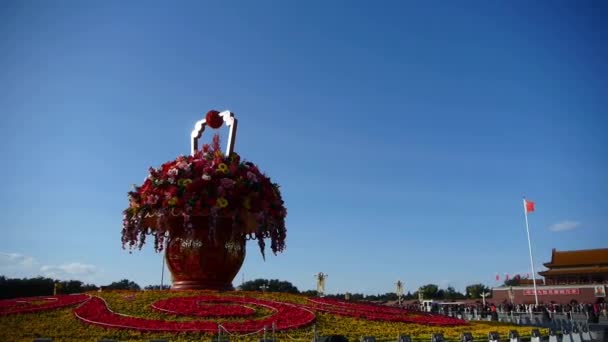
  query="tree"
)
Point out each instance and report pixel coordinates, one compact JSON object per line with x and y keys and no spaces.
{"x":11,"y":288}
{"x":429,"y":291}
{"x":451,"y":293}
{"x":74,"y":286}
{"x":157,"y":287}
{"x":515,"y":281}
{"x":271,"y":285}
{"x":309,"y":293}
{"x":475,"y":290}
{"x":124,"y":284}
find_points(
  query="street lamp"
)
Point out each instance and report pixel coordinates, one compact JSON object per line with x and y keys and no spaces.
{"x":321,"y":283}
{"x":483,"y":297}
{"x":399,"y":291}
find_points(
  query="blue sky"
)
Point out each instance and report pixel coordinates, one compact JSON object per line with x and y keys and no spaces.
{"x":404,"y":135}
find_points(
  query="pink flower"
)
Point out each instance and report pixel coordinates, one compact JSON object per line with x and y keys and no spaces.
{"x":251,"y":176}
{"x":183,"y":165}
{"x":152,"y":199}
{"x":227,"y":183}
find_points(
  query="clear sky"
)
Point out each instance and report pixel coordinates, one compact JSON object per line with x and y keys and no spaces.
{"x":404,"y":134}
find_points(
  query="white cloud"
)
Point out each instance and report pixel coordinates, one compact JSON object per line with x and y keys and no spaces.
{"x":16,"y":260}
{"x":564,"y":225}
{"x":68,"y":270}
{"x":19,"y":265}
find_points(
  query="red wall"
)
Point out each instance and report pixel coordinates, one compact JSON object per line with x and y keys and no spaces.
{"x":585,"y":295}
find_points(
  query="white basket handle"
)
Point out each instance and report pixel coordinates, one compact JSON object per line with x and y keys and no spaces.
{"x":200,"y":125}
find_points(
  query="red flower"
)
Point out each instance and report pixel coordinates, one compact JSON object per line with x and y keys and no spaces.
{"x":28,"y":304}
{"x":193,"y":185}
{"x":213,"y":119}
{"x":286,"y":316}
{"x":382,"y":313}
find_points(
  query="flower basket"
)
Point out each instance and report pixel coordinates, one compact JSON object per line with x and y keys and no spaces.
{"x":204,"y":207}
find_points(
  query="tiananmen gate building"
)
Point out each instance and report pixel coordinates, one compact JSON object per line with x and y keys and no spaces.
{"x":580,"y":275}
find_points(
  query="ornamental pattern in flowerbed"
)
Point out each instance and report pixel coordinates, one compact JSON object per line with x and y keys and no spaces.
{"x":194,"y":306}
{"x":62,"y":324}
{"x":285,"y":316}
{"x":382,"y":313}
{"x":34,"y":304}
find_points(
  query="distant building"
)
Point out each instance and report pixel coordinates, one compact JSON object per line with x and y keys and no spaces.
{"x":588,"y":266}
{"x":579,"y":276}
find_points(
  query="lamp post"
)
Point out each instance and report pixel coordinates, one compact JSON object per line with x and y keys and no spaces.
{"x":399,"y":291}
{"x":162,"y":273}
{"x":483,"y":297}
{"x":321,"y":283}
{"x":511,"y":295}
{"x":162,"y":270}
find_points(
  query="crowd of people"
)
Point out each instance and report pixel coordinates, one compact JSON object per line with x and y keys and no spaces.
{"x":592,"y":311}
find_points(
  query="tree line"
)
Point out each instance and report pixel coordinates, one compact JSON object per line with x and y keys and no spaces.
{"x":429,"y":291}
{"x":40,"y":286}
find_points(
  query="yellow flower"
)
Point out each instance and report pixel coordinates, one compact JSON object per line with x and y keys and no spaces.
{"x":173,"y":201}
{"x":223,"y":168}
{"x":184,"y":182}
{"x":134,"y":205}
{"x":221,"y":202}
{"x":247,"y":203}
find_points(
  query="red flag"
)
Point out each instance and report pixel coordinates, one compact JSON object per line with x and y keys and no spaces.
{"x":529,"y":206}
{"x":497,"y":277}
{"x":517,"y":277}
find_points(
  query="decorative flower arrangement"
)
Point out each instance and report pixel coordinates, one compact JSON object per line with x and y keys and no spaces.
{"x":293,"y":315}
{"x":207,"y":184}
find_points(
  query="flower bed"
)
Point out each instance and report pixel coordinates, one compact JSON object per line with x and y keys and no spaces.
{"x":34,"y":304}
{"x":63,"y":326}
{"x":192,"y":306}
{"x":287,"y":316}
{"x":382,"y":313}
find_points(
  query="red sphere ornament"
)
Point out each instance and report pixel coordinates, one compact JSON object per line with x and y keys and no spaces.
{"x":213,"y":119}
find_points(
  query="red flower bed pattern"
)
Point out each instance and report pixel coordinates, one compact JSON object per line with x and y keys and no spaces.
{"x":191,"y":306}
{"x":94,"y":310}
{"x":287,"y":316}
{"x":34,"y":304}
{"x":382,"y":313}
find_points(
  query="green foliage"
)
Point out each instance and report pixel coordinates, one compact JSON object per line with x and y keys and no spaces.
{"x":513,"y":282}
{"x":157,"y":287}
{"x":74,"y":286}
{"x":309,"y":293}
{"x":32,"y":287}
{"x":451,"y":293}
{"x":270,"y":285}
{"x":430,"y":291}
{"x":475,"y":290}
{"x":124,"y":284}
{"x":12,"y":288}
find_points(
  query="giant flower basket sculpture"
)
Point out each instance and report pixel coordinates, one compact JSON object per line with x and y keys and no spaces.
{"x":204,"y":207}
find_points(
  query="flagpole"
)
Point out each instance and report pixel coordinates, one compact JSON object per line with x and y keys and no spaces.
{"x":162,"y":273}
{"x":530,"y":250}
